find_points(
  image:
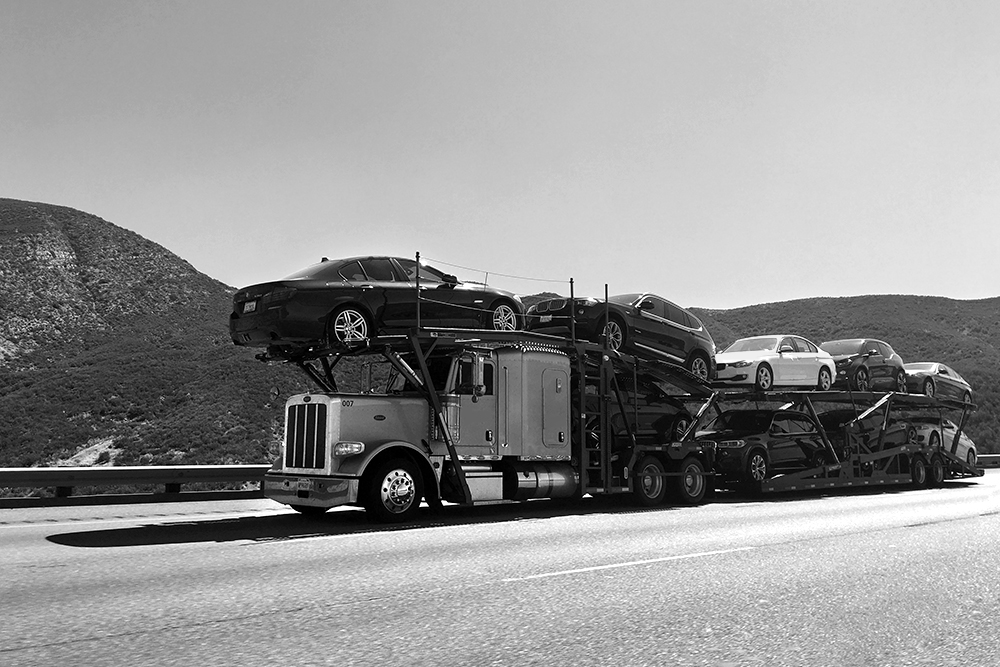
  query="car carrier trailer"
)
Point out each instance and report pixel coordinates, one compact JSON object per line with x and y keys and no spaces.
{"x":866,"y":456}
{"x":478,"y":417}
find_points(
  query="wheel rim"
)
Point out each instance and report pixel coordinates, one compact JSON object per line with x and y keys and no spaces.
{"x":614,"y":335}
{"x":757,"y":467}
{"x":692,"y":481}
{"x":699,"y":367}
{"x":825,"y":381}
{"x":650,"y":481}
{"x":861,"y":380}
{"x":919,"y":472}
{"x":504,"y":318}
{"x":350,"y":326}
{"x":929,"y":388}
{"x":970,"y":458}
{"x":681,"y":428}
{"x":937,"y":470}
{"x":764,"y":377}
{"x":397,"y":492}
{"x":935,"y":440}
{"x":967,"y":398}
{"x":901,"y":383}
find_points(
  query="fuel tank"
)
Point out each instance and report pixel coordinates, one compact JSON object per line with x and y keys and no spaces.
{"x":523,"y":480}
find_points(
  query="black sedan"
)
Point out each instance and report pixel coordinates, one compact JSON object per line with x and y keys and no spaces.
{"x":644,"y":324}
{"x":346,"y":302}
{"x":935,"y":379}
{"x":754,"y":445}
{"x":866,"y":364}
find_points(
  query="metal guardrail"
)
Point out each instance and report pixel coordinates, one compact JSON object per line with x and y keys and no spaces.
{"x":989,"y":460}
{"x":65,"y":479}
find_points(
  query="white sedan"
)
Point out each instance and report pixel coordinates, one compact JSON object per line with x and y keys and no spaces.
{"x":776,"y":360}
{"x":936,"y":431}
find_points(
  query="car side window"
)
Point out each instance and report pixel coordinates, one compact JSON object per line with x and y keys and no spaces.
{"x":379,"y":270}
{"x":427,"y":274}
{"x":353,"y":273}
{"x":871,"y":345}
{"x":885,"y":350}
{"x":779,"y":425}
{"x":943,"y":370}
{"x":804,"y":345}
{"x":789,"y":342}
{"x":800,"y":425}
{"x":675,"y":314}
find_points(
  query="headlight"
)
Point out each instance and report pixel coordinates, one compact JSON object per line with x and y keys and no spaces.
{"x":348,"y":448}
{"x":845,"y":362}
{"x":741,"y":364}
{"x":732,"y":444}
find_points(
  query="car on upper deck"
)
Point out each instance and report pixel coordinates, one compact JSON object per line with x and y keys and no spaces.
{"x":346,"y":302}
{"x":866,"y":364}
{"x":937,"y":379}
{"x":774,"y":360}
{"x":642,"y":324}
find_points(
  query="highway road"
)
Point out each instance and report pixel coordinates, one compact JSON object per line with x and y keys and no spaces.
{"x":908,"y":577}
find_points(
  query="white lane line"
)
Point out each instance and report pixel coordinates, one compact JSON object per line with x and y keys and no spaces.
{"x":628,"y":564}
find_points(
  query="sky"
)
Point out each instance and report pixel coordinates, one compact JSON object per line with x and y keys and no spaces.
{"x":719,"y":153}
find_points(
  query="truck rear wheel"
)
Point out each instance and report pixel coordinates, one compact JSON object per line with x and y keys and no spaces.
{"x":918,"y":472}
{"x":393,"y":492}
{"x":935,"y":473}
{"x":691,"y":482}
{"x":649,"y":486}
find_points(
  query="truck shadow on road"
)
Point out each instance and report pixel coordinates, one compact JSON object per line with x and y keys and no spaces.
{"x":290,"y":526}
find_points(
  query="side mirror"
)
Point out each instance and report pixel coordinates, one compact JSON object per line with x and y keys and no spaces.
{"x":785,"y":348}
{"x":645,"y":305}
{"x":450,"y":279}
{"x":872,"y":353}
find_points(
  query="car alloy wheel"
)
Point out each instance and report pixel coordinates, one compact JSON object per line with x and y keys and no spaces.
{"x":699,"y":366}
{"x":765,"y":380}
{"x":349,"y":326}
{"x":614,"y":333}
{"x":504,"y":318}
{"x":929,"y":387}
{"x":901,"y":382}
{"x":861,"y":379}
{"x":825,"y":379}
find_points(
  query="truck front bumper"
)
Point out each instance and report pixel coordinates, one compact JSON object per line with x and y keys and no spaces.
{"x":310,"y":491}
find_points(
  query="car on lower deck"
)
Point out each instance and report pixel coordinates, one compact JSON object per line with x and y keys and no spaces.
{"x":866,"y":364}
{"x":774,"y":360}
{"x":346,"y":302}
{"x":755,"y":444}
{"x":938,"y":380}
{"x":934,"y":431}
{"x":641,"y":324}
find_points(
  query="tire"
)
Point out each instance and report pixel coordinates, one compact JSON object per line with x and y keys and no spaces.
{"x":504,"y":317}
{"x":935,"y":471}
{"x":970,"y":458}
{"x":756,"y":472}
{"x":698,"y":365}
{"x":935,"y":440}
{"x":861,"y":379}
{"x":825,"y":380}
{"x":680,"y":426}
{"x":308,"y":510}
{"x":614,"y":333}
{"x":649,"y":486}
{"x":348,"y":327}
{"x":928,"y":387}
{"x":918,"y":472}
{"x":393,"y":491}
{"x":967,"y":398}
{"x":691,"y":483}
{"x":764,"y":380}
{"x":901,"y":382}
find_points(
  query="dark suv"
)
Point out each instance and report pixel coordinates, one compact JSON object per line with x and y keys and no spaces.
{"x":645,"y":325}
{"x":866,"y":364}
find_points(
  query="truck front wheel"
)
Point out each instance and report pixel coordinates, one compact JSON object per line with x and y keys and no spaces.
{"x":393,"y":492}
{"x":649,"y":486}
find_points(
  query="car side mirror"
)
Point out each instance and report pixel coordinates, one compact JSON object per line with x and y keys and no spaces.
{"x":872,"y":353}
{"x":449,"y":279}
{"x":785,"y":348}
{"x":645,"y":305}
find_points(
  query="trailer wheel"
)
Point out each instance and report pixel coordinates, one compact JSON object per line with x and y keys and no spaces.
{"x":936,"y":471}
{"x":918,"y":472}
{"x":756,"y":472}
{"x":649,"y":486}
{"x":393,"y":491}
{"x":691,"y":482}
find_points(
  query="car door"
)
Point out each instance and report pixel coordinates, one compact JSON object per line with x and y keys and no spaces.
{"x":655,"y":330}
{"x":810,"y":361}
{"x":948,"y":386}
{"x":788,"y":366}
{"x":875,"y":360}
{"x":437,"y":300}
{"x":396,"y":299}
{"x":370,"y":293}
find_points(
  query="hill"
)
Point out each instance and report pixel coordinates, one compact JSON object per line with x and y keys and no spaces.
{"x":109,"y":343}
{"x":115,"y":350}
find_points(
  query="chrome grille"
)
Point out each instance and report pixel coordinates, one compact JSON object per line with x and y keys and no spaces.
{"x":305,"y":436}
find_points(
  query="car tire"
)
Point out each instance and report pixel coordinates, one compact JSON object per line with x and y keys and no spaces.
{"x":649,"y":486}
{"x":392,"y":492}
{"x":918,"y":472}
{"x":935,"y":471}
{"x":861,"y":380}
{"x":680,"y":426}
{"x":970,"y":458}
{"x":691,"y":483}
{"x":698,"y":364}
{"x":348,"y":327}
{"x":900,"y":382}
{"x":825,"y":380}
{"x":934,"y":441}
{"x":967,"y":398}
{"x":504,"y":317}
{"x":764,"y":380}
{"x":756,"y":472}
{"x":928,"y":388}
{"x":614,"y":334}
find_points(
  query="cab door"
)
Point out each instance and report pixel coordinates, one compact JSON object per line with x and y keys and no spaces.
{"x":475,"y":385}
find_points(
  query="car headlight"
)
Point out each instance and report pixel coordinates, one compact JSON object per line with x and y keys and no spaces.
{"x":741,"y":364}
{"x":732,"y":444}
{"x":348,"y":448}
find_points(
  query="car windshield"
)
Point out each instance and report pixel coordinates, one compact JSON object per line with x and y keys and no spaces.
{"x":919,"y":367}
{"x":753,"y":344}
{"x":750,"y":421}
{"x":843,"y":346}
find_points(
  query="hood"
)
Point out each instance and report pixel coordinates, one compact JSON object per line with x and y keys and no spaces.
{"x":751,"y":355}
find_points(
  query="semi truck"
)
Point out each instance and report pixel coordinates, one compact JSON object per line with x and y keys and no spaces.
{"x":479,"y":417}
